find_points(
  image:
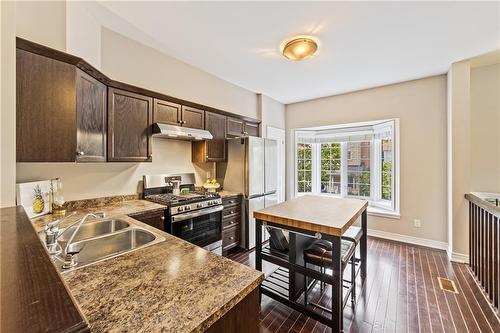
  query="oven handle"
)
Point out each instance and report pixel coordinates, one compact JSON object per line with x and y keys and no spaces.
{"x":186,"y":216}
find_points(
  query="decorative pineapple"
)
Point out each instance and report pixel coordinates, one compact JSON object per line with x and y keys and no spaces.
{"x":38,"y":203}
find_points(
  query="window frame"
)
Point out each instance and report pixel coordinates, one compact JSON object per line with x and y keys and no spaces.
{"x":377,"y":205}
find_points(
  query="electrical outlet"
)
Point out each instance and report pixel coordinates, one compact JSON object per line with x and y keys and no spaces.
{"x":416,"y":223}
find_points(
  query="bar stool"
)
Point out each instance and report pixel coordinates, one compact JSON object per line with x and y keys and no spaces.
{"x":320,"y":254}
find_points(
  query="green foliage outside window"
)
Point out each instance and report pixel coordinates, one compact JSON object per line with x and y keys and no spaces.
{"x":386,"y":180}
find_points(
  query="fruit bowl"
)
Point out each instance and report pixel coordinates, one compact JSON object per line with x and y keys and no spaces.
{"x":211,"y":187}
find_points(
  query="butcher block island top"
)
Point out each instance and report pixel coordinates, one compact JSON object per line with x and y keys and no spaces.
{"x":317,"y":213}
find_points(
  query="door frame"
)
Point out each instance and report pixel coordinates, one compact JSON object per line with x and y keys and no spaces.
{"x":279,"y":135}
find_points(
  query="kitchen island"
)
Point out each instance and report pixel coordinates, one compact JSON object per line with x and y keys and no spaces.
{"x":172,"y":286}
{"x":310,"y":220}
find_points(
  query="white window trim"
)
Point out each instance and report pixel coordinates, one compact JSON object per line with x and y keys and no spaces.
{"x":377,"y":206}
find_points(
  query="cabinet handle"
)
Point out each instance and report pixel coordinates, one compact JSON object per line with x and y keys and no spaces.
{"x":179,"y":121}
{"x":231,"y":238}
{"x":231,"y":212}
{"x":150,"y":155}
{"x":162,"y":218}
{"x":232,"y":222}
{"x":184,"y":122}
{"x":80,"y":153}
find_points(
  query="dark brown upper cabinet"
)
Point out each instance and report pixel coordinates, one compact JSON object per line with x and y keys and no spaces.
{"x":251,"y":129}
{"x":130,"y":117}
{"x":167,"y":112}
{"x":91,"y":118}
{"x":212,"y":150}
{"x":239,"y":128}
{"x":235,"y":127}
{"x":60,"y":112}
{"x":176,"y":114}
{"x":193,"y":118}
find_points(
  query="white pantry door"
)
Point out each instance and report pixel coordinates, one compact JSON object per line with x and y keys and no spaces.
{"x":279,"y":135}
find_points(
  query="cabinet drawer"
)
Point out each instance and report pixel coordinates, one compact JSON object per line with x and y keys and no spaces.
{"x":231,"y":211}
{"x":229,"y":222}
{"x":230,"y":237}
{"x":231,"y":201}
{"x":154,"y":219}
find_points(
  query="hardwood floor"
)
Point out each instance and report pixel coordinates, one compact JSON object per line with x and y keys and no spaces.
{"x":401,"y":294}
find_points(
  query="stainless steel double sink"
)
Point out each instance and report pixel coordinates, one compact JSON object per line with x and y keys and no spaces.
{"x":97,"y":241}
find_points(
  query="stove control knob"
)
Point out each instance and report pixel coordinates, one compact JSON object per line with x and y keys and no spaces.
{"x":180,"y":209}
{"x":187,"y":208}
{"x":199,"y":205}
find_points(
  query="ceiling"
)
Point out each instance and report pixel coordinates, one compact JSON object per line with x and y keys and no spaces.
{"x":362,"y":45}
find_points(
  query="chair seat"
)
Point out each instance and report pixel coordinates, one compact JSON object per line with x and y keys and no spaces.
{"x":353,"y":234}
{"x":320,"y":253}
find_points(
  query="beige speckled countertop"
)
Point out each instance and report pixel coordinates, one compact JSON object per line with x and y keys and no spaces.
{"x":225,"y":193}
{"x":127,"y":207}
{"x":172,"y":286}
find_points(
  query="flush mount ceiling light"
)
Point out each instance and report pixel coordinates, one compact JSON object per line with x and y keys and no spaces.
{"x":299,"y":47}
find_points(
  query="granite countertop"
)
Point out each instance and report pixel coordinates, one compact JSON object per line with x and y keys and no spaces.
{"x":225,"y":193}
{"x":172,"y":286}
{"x":126,"y":207}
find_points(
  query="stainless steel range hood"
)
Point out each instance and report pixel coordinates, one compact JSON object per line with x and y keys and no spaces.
{"x":180,"y":133}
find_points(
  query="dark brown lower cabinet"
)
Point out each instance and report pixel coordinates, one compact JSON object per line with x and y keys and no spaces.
{"x":242,"y":318}
{"x":130,"y":117}
{"x":154,"y":218}
{"x":231,"y":222}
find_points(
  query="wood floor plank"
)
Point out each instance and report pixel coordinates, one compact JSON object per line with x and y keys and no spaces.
{"x":480,"y":297}
{"x":439,"y":295}
{"x":400,"y":294}
{"x":402,"y":304}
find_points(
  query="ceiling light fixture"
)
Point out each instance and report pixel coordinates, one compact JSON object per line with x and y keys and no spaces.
{"x":299,"y":47}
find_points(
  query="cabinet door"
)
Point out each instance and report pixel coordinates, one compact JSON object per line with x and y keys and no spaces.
{"x":166,"y":112}
{"x":193,"y":118}
{"x":216,"y":148}
{"x":129,"y":126}
{"x":45,"y":109}
{"x":154,"y":219}
{"x":234,"y":127}
{"x":251,"y":129}
{"x":90,"y":119}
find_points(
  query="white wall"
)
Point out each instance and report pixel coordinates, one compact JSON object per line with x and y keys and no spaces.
{"x":485,"y":128}
{"x":421,"y":107}
{"x":83,"y":31}
{"x":8,"y":104}
{"x":459,"y":142}
{"x":271,"y":113}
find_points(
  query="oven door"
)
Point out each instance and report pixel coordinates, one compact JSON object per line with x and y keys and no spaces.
{"x":201,"y":227}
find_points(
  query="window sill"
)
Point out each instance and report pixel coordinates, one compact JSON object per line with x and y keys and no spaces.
{"x":375,"y":211}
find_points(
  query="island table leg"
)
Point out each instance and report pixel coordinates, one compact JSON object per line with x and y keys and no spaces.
{"x":336,"y":282}
{"x":364,"y":245}
{"x":258,"y":250}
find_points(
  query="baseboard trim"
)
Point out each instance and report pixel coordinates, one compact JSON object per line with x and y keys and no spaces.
{"x":408,"y":239}
{"x":458,"y":257}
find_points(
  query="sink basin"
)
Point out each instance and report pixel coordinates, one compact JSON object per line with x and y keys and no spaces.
{"x":93,"y":229}
{"x":96,"y":249}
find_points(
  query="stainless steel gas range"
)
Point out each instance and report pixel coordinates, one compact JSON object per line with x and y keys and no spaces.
{"x":193,"y":216}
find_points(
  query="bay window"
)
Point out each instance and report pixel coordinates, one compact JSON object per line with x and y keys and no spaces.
{"x":353,"y":160}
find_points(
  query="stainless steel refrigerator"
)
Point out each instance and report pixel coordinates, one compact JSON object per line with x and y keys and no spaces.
{"x":252,"y":170}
